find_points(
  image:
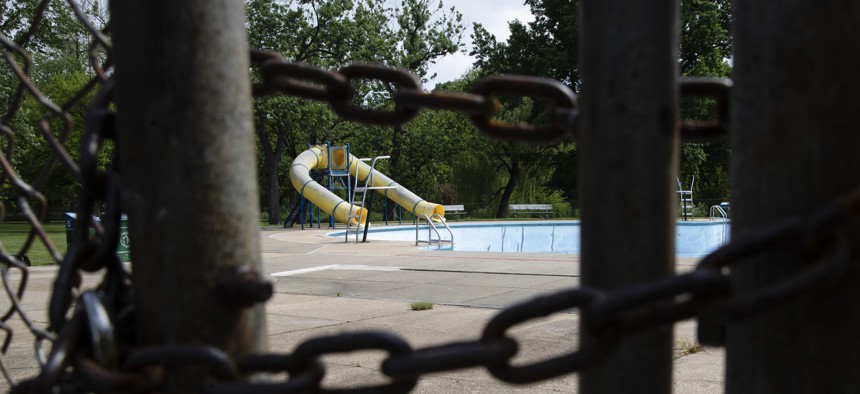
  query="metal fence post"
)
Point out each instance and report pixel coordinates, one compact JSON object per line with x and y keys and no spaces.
{"x":629,"y":144}
{"x":189,"y":172}
{"x":795,"y":146}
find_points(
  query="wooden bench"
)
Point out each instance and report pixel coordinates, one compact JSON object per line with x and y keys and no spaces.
{"x":540,"y":209}
{"x":456,"y":210}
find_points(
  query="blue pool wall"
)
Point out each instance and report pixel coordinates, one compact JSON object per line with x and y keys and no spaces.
{"x":693,"y":238}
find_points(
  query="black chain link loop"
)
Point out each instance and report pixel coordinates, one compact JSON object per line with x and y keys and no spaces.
{"x":101,"y":379}
{"x":305,"y":382}
{"x":653,"y":304}
{"x":312,"y":349}
{"x":403,"y":80}
{"x":563,"y":100}
{"x":281,"y":76}
{"x":540,"y":307}
{"x":823,"y":243}
{"x":716,"y":88}
{"x":221,"y":365}
{"x":450,"y":357}
{"x":321,"y":85}
{"x":451,"y":101}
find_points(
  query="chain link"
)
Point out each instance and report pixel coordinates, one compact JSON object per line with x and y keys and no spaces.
{"x":65,"y":334}
{"x":302,"y":80}
{"x":281,"y":76}
{"x":718,"y":89}
{"x":93,"y":348}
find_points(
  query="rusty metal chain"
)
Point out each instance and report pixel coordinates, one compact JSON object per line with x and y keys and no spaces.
{"x":335,"y":88}
{"x":481,"y":104}
{"x":718,"y":89}
{"x":90,"y":332}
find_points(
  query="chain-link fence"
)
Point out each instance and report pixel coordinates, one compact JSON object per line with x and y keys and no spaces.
{"x":89,"y":340}
{"x":54,"y":125}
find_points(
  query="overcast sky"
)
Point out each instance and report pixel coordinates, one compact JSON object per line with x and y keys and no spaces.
{"x":494,"y":16}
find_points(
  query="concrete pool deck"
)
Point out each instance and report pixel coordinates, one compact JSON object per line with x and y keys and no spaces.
{"x":324,"y":286}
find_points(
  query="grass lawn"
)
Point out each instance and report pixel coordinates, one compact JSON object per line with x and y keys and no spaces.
{"x":13,"y":235}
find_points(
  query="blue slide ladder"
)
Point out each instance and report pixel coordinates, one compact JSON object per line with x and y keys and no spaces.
{"x":339,"y":177}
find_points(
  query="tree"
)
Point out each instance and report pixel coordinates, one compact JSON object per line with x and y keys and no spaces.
{"x":323,"y":33}
{"x":60,"y":68}
{"x":545,"y":47}
{"x":422,"y":34}
{"x":330,"y":34}
{"x":706,"y":47}
{"x":548,"y":47}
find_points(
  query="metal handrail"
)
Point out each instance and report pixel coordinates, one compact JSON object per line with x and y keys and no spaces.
{"x":430,"y":226}
{"x":352,"y":201}
{"x":719,"y":210}
{"x":724,"y":217}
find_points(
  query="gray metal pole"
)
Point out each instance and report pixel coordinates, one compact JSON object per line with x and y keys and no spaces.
{"x":629,"y":145}
{"x":795,"y":146}
{"x":189,"y":172}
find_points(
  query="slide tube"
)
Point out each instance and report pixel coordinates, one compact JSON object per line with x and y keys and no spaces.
{"x":401,"y":195}
{"x":316,"y":158}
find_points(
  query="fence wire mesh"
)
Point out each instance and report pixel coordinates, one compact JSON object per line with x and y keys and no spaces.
{"x":80,"y":145}
{"x":37,"y":118}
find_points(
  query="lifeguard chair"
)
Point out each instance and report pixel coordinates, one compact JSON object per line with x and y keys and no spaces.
{"x":685,"y":205}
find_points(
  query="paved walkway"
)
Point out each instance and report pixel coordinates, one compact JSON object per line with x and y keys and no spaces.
{"x":325,"y":286}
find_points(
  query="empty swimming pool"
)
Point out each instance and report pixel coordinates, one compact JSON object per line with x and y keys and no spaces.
{"x":692,"y":238}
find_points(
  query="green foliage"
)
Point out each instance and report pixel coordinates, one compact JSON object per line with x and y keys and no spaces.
{"x":705,"y":49}
{"x":565,"y":161}
{"x":547,"y":47}
{"x":59,"y":68}
{"x":422,"y":34}
{"x":421,"y":305}
{"x":685,"y":347}
{"x":705,"y":37}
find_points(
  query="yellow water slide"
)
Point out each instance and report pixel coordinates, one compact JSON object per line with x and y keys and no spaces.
{"x":316,"y":158}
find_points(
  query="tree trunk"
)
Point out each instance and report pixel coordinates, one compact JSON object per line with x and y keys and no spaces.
{"x":272,"y":193}
{"x":396,"y":150}
{"x":514,"y":173}
{"x":271,"y":160}
{"x":394,"y":169}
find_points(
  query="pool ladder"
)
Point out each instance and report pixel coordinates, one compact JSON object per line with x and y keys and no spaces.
{"x":432,"y":229}
{"x":719,"y":214}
